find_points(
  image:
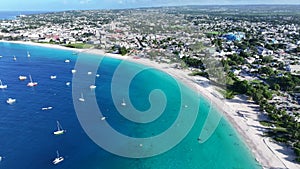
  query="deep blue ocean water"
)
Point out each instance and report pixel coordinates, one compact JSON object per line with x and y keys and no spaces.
{"x":26,"y":130}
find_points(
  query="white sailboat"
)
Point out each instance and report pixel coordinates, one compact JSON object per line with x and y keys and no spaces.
{"x":53,"y":77}
{"x":22,"y":77}
{"x":10,"y":101}
{"x":93,"y":87}
{"x":81,"y":98}
{"x":60,"y":130}
{"x":31,"y":83}
{"x":14,"y":58}
{"x":28,"y":54}
{"x":58,"y":158}
{"x":2,"y":86}
{"x":123,"y":102}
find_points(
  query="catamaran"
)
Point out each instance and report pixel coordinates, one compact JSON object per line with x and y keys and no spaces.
{"x":58,"y":158}
{"x":2,"y":86}
{"x":60,"y":130}
{"x":31,"y":83}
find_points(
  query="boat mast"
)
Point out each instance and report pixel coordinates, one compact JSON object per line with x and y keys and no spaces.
{"x":30,"y":78}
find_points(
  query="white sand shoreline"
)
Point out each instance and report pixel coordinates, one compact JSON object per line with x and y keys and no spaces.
{"x":267,"y":153}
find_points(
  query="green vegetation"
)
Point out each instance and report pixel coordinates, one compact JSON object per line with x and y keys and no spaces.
{"x":123,"y":51}
{"x":198,"y":73}
{"x":79,"y":46}
{"x":283,"y":127}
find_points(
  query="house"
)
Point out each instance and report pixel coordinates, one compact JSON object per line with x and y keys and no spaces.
{"x":263,"y":51}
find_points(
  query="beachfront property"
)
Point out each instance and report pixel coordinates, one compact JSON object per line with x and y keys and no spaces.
{"x":260,"y":55}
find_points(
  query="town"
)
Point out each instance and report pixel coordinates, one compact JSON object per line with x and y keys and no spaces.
{"x":259,"y":48}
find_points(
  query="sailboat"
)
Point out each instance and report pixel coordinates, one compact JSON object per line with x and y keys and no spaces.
{"x":92,"y":87}
{"x":10,"y":101}
{"x":22,"y":77}
{"x":60,"y":130}
{"x":58,"y":158}
{"x":28,"y":54}
{"x":2,"y":86}
{"x":81,"y":98}
{"x":123,"y":103}
{"x":14,"y":58}
{"x":31,"y":83}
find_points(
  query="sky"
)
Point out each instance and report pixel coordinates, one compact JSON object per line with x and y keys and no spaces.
{"x":58,"y":5}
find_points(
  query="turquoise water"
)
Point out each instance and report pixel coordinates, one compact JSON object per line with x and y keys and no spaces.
{"x":26,"y":131}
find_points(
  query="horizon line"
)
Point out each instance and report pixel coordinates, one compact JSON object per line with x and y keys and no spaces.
{"x":162,"y":6}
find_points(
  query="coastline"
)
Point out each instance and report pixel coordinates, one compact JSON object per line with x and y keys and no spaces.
{"x":267,"y":153}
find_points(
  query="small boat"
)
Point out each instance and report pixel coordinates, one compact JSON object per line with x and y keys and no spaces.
{"x":22,"y":77}
{"x":58,"y":158}
{"x":28,"y":54}
{"x":123,"y":103}
{"x":60,"y":130}
{"x":14,"y":58}
{"x":2,"y":86}
{"x":47,"y":108}
{"x":67,"y":61}
{"x":52,"y":77}
{"x":89,"y":73}
{"x":103,"y":118}
{"x":31,"y":83}
{"x":81,"y":98}
{"x":1,"y":56}
{"x":97,"y":75}
{"x":93,"y":87}
{"x":73,"y":71}
{"x":10,"y":101}
{"x":68,"y":83}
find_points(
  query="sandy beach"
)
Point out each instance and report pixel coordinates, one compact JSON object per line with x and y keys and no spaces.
{"x":246,"y":122}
